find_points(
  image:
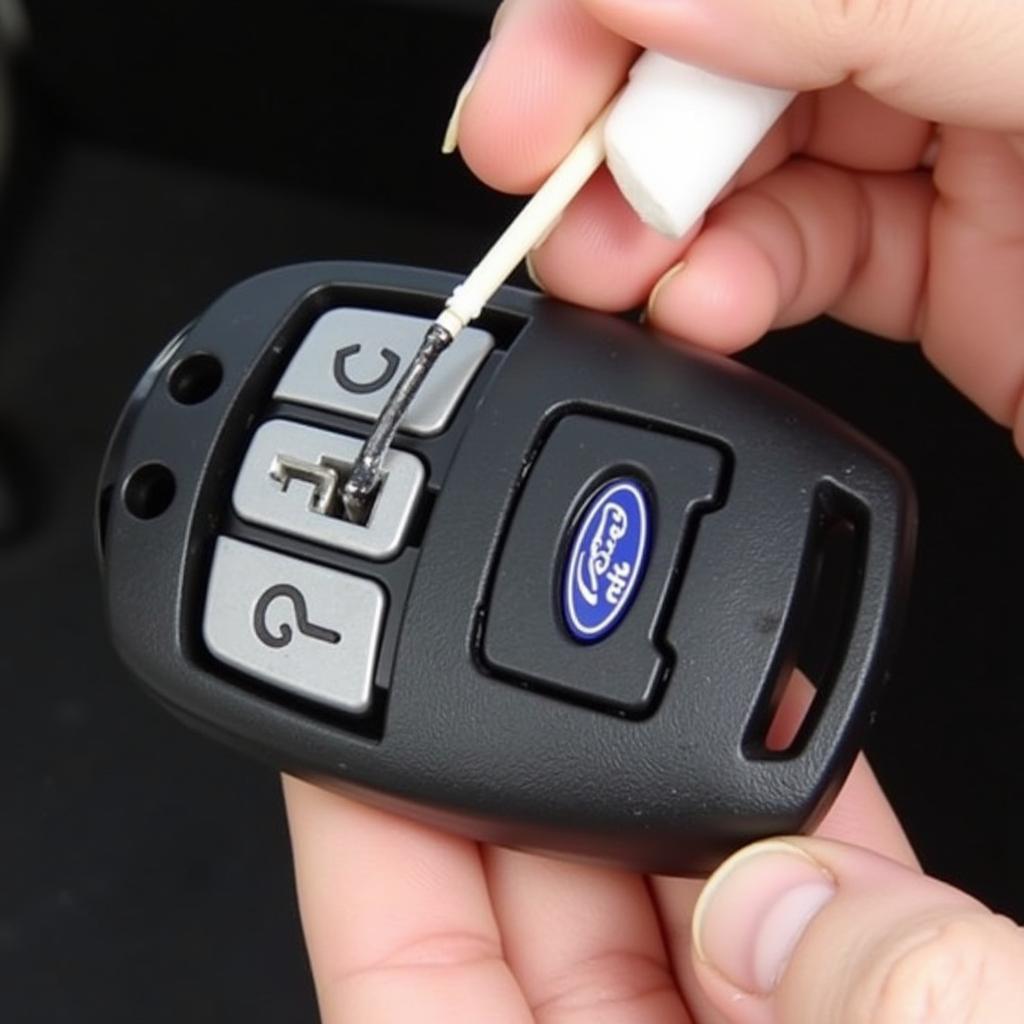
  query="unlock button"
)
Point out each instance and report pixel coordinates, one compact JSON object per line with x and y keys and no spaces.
{"x":307,"y":629}
{"x":352,"y":359}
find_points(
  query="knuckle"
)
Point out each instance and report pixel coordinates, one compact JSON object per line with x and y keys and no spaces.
{"x":620,"y":980}
{"x":438,"y":951}
{"x":840,"y":17}
{"x":939,"y":976}
{"x":836,"y":30}
{"x":864,"y":31}
{"x":452,"y":962}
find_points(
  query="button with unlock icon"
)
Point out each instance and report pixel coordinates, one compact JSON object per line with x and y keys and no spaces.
{"x":352,"y":358}
{"x":308,"y":629}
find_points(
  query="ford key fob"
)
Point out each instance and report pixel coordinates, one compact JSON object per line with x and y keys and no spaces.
{"x":593,"y":563}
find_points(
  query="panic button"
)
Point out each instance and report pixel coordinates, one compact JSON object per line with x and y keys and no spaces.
{"x":589,"y":567}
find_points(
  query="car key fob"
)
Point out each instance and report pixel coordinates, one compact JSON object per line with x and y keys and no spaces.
{"x":586,"y":578}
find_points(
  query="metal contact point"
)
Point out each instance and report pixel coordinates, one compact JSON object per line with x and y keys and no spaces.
{"x":363,"y":481}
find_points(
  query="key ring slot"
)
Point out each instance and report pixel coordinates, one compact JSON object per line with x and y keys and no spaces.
{"x":825,"y":608}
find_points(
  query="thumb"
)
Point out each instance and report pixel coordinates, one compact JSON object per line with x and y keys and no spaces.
{"x":808,"y":931}
{"x":956,"y":61}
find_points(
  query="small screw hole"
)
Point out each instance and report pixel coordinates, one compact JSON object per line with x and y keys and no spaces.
{"x":149,"y":491}
{"x":195,"y":379}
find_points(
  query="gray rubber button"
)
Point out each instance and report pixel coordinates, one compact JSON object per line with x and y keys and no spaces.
{"x":352,"y":359}
{"x":307,"y":629}
{"x":261,"y":499}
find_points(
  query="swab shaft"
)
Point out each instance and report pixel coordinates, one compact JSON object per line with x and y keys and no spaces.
{"x":466,"y":303}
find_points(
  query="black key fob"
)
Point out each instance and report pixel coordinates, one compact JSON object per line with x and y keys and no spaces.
{"x":591,"y":568}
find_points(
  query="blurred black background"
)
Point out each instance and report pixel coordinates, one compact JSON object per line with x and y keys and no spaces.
{"x":165,"y":150}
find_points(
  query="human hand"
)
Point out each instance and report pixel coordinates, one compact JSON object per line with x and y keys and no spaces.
{"x":404,"y":923}
{"x":838,"y":211}
{"x":892,"y":197}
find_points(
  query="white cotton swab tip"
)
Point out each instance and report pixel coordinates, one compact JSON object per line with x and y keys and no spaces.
{"x":678,"y":134}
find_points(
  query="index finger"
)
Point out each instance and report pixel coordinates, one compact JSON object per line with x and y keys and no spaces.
{"x":548,"y":72}
{"x":397,"y":916}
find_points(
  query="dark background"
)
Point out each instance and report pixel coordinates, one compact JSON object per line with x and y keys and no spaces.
{"x":165,"y":150}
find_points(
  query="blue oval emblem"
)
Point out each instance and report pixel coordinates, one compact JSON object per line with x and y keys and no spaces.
{"x":606,"y":560}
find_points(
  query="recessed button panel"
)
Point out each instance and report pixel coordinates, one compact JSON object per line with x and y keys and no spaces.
{"x":307,"y":629}
{"x":352,"y":359}
{"x":267,"y":497}
{"x":589,"y":560}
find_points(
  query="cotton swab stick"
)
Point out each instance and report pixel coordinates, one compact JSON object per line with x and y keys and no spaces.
{"x":673,"y":138}
{"x":533,"y":223}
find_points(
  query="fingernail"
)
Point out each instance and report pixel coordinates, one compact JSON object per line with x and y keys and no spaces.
{"x":754,"y":911}
{"x":663,"y":281}
{"x":531,"y":272}
{"x":930,"y":156}
{"x":451,"y":135}
{"x":499,"y":17}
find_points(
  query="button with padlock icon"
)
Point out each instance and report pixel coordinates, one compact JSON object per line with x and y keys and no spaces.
{"x":312,"y":630}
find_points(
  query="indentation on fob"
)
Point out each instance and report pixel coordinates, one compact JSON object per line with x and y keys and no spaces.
{"x":619,"y":503}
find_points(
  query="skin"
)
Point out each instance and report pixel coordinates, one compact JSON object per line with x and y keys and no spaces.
{"x":892,"y":197}
{"x":834,"y":212}
{"x":406,"y":923}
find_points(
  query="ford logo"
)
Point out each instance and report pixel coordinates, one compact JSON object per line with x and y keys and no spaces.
{"x":606,"y":560}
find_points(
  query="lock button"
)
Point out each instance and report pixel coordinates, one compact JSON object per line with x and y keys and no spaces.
{"x":307,"y":629}
{"x":352,"y":359}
